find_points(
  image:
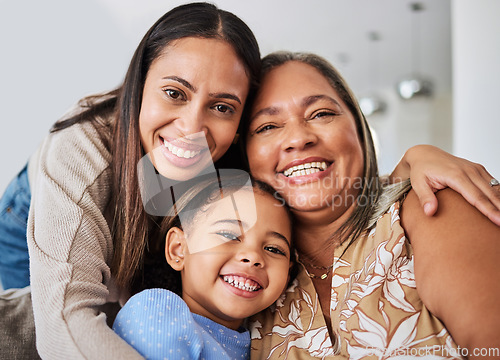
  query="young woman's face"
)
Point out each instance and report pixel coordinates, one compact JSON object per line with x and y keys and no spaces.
{"x":303,"y":140}
{"x":237,"y":258}
{"x":192,"y":102}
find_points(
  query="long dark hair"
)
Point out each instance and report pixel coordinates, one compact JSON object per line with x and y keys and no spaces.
{"x":131,"y":225}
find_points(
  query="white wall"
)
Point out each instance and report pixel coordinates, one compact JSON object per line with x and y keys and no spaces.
{"x":53,"y":52}
{"x":476,"y":81}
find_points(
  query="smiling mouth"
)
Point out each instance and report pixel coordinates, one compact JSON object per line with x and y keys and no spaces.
{"x":305,"y":169}
{"x":242,"y":283}
{"x":180,"y":152}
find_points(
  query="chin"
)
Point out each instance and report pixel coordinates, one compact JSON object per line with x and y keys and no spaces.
{"x":302,"y":200}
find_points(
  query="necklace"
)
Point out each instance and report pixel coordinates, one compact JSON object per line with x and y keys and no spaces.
{"x":323,"y":276}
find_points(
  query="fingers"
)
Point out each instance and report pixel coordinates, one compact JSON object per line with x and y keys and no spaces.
{"x":484,"y":204}
{"x":426,"y":196}
{"x":487,"y":198}
{"x":441,"y":170}
{"x":475,"y":188}
{"x":491,"y":192}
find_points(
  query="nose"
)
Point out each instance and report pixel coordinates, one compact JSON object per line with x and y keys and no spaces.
{"x":192,"y":121}
{"x":252,"y":257}
{"x":298,"y":135}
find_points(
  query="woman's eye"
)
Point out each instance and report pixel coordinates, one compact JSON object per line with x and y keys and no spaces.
{"x":223,"y":109}
{"x":275,"y":250}
{"x":173,"y":94}
{"x":321,"y":114}
{"x":265,"y":128}
{"x":228,"y":235}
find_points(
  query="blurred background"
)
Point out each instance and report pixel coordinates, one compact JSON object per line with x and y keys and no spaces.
{"x":54,"y":52}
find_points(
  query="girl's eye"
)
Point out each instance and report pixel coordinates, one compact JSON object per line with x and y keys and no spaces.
{"x":265,"y":128}
{"x":275,"y":250}
{"x":223,"y":109}
{"x":228,"y":235}
{"x":173,"y":94}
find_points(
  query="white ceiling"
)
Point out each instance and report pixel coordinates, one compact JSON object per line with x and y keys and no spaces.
{"x":56,"y":51}
{"x":98,"y":37}
{"x":338,"y":30}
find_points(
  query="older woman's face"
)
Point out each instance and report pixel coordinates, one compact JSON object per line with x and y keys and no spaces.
{"x":303,"y":140}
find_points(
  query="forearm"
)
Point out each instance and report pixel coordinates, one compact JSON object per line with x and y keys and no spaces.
{"x":416,"y":156}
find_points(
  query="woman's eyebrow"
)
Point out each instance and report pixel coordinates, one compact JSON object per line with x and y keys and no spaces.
{"x":225,"y":96}
{"x":266,"y":111}
{"x":194,"y":89}
{"x":182,"y":81}
{"x":313,"y":98}
{"x":272,"y":110}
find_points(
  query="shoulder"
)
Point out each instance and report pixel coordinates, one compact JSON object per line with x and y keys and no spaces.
{"x":457,"y":228}
{"x":456,"y":254}
{"x":157,"y":301}
{"x":157,"y":320}
{"x":79,"y":141}
{"x":155,"y":307}
{"x":454,"y":217}
{"x":72,"y":160}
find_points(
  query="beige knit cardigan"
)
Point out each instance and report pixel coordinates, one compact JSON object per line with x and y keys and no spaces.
{"x":70,"y":247}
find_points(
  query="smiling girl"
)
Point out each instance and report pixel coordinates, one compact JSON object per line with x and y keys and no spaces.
{"x":230,"y":240}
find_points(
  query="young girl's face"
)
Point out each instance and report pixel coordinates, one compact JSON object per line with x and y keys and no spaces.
{"x":191,"y":107}
{"x":234,"y":262}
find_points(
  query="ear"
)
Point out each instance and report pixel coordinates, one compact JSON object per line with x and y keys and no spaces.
{"x":175,"y":244}
{"x":235,"y":139}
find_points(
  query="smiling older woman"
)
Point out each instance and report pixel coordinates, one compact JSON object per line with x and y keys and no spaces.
{"x":378,"y":277}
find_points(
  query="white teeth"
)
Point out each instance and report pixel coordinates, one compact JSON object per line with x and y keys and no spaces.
{"x":305,"y":169}
{"x":241,"y":283}
{"x":179,"y":152}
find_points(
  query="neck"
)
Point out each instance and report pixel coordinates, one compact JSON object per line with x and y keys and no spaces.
{"x":313,"y":229}
{"x":196,"y":308}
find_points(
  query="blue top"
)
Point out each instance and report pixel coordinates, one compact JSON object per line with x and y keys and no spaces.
{"x":159,"y":325}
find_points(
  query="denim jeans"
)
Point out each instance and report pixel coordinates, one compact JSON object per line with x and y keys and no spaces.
{"x":14,"y":207}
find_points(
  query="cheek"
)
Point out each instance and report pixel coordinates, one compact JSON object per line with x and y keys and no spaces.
{"x":223,"y":136}
{"x":280,"y":275}
{"x":150,"y":119}
{"x":259,"y":158}
{"x":144,"y":131}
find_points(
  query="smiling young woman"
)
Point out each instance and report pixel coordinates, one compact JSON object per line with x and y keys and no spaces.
{"x":193,"y":99}
{"x":88,"y":231}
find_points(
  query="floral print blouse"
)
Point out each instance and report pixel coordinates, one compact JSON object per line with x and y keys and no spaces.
{"x":375,"y":309}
